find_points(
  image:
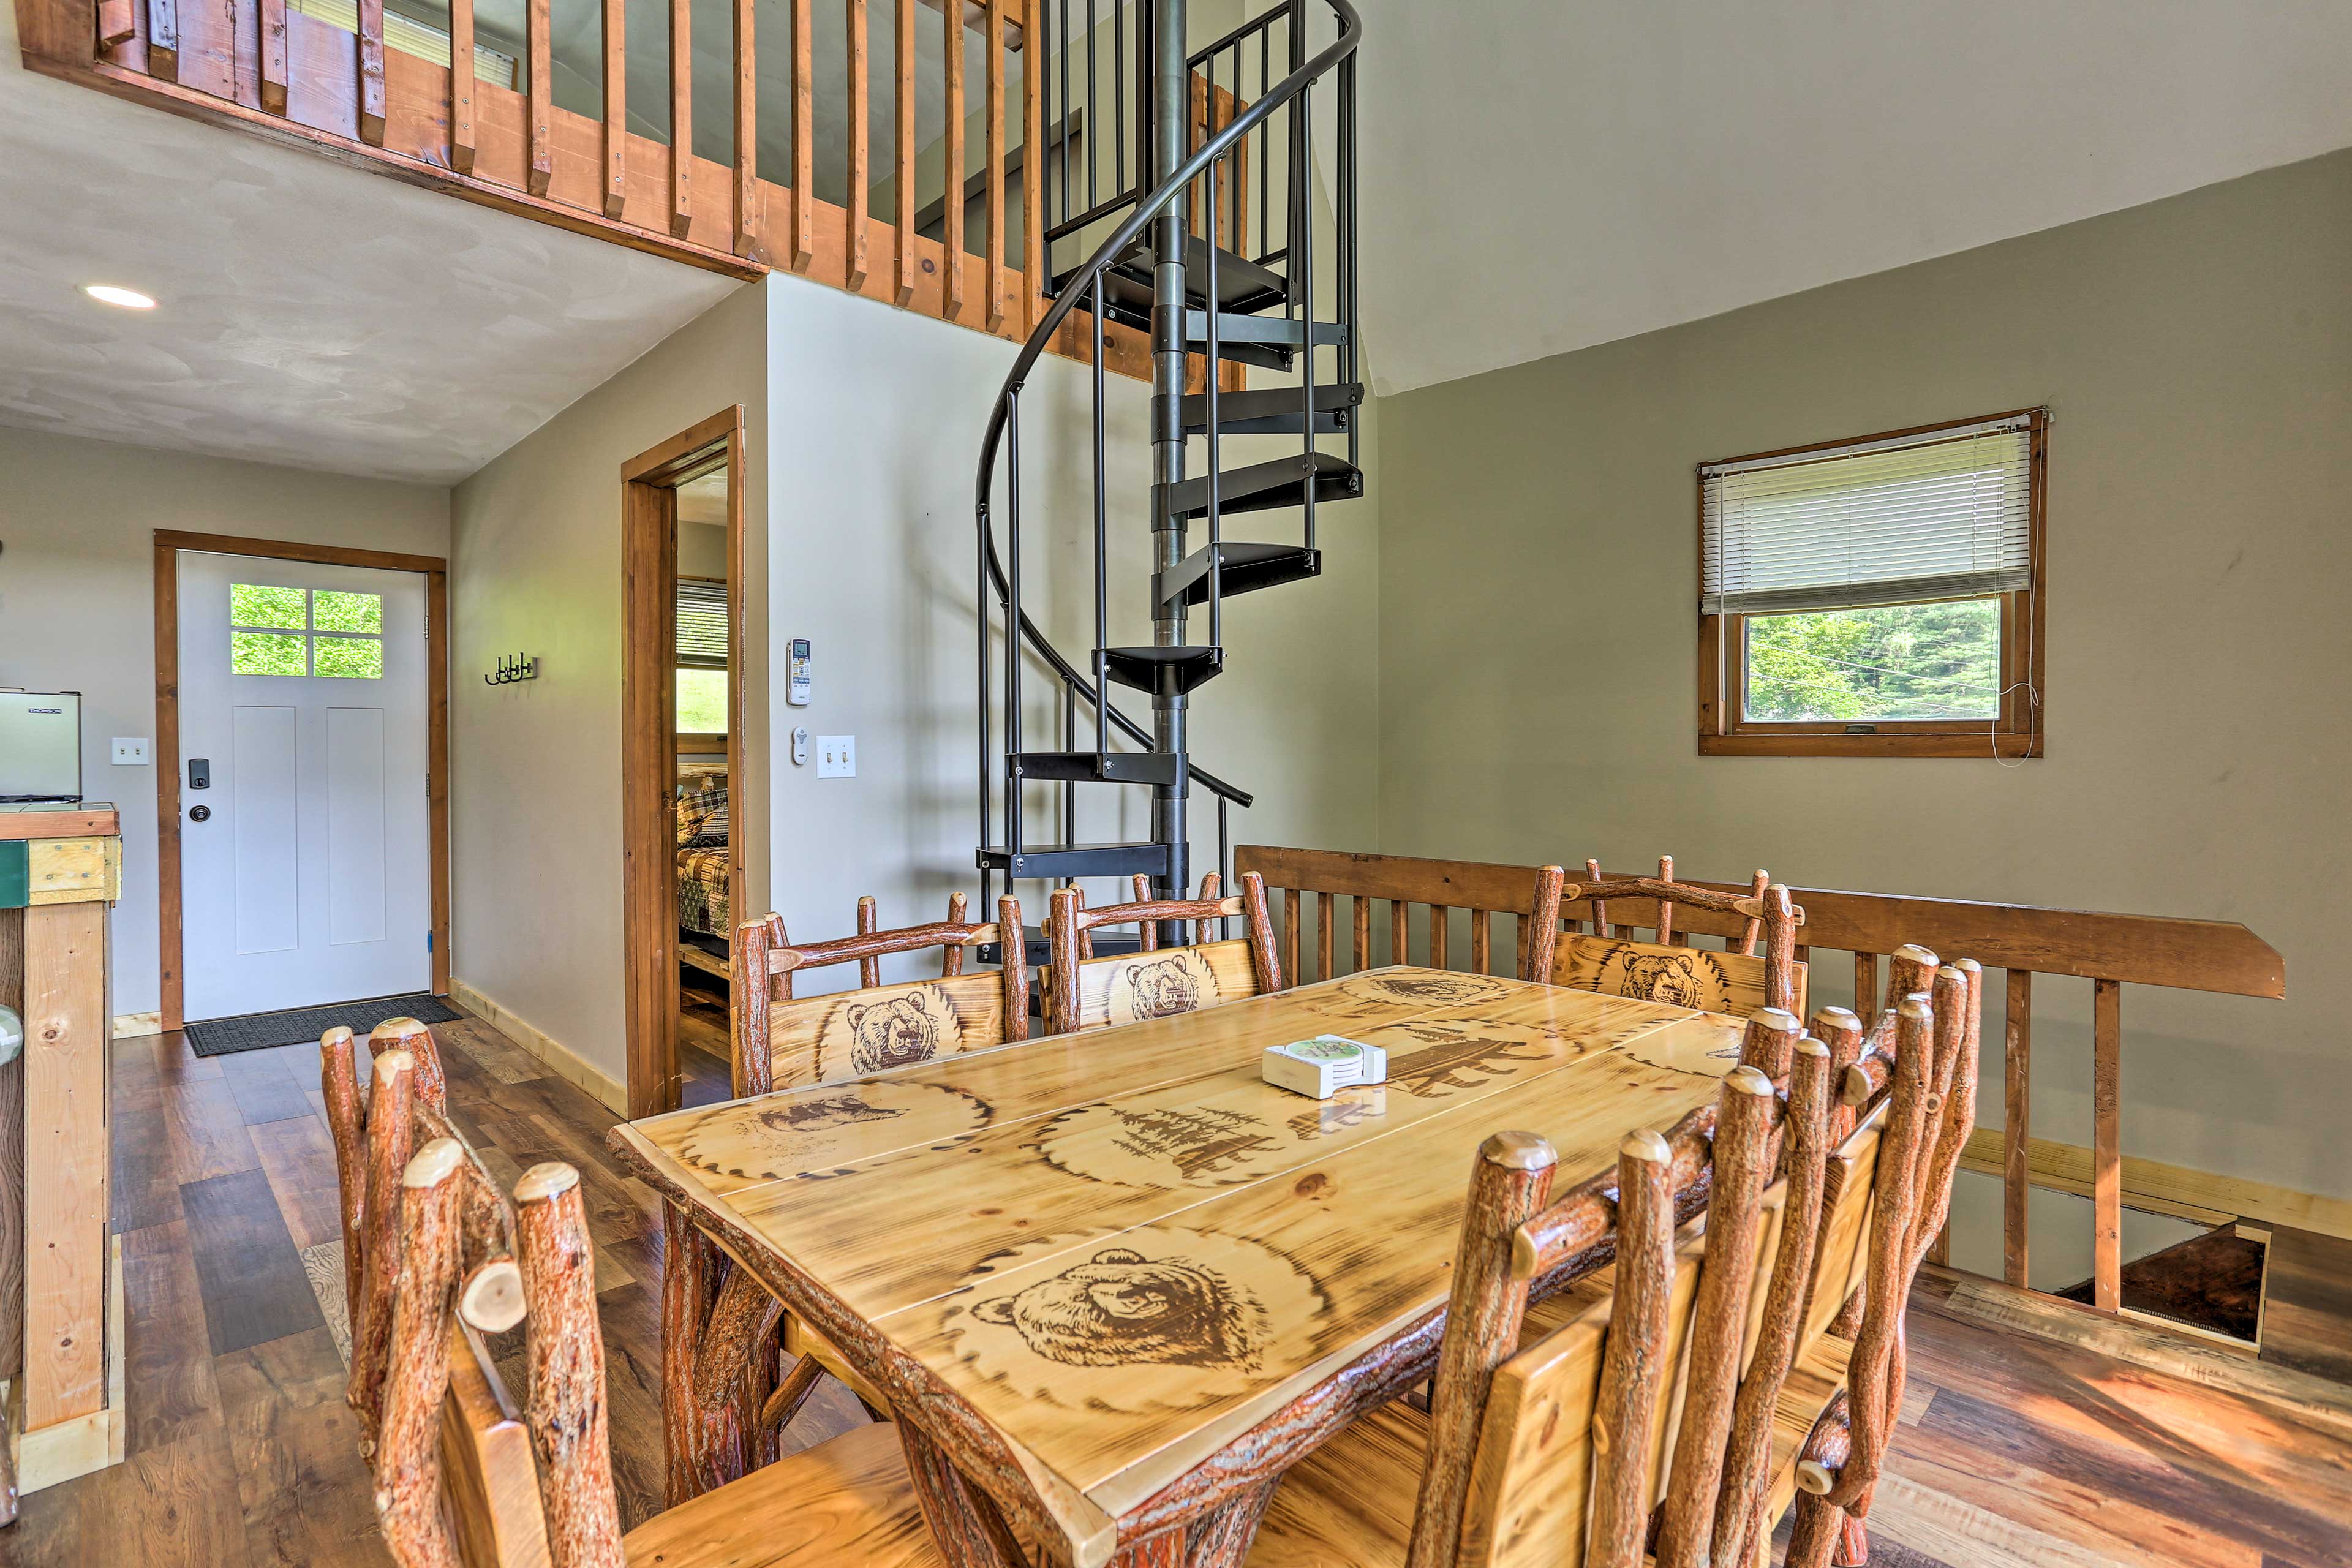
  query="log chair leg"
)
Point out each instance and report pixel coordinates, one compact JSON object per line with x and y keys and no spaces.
{"x":1813,"y":1538}
{"x":970,"y":1530}
{"x":1222,"y":1537}
{"x":1854,"y":1545}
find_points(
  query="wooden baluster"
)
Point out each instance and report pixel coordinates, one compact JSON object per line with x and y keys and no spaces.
{"x":1482,"y":942}
{"x":409,"y":1035}
{"x":565,"y":1353}
{"x":994,"y":28}
{"x":408,"y":1457}
{"x":2107,"y":1144}
{"x":270,"y":17}
{"x":390,"y":1131}
{"x":1013,"y":945}
{"x":540,"y":110}
{"x":117,"y":26}
{"x":902,"y":287}
{"x":164,"y":39}
{"x":1326,"y":908}
{"x":1719,"y":1314}
{"x":1960,"y":991}
{"x":1294,"y":914}
{"x":463,"y":85}
{"x":2017,"y":1130}
{"x":951,"y":957}
{"x":803,"y":138}
{"x":616,"y":108}
{"x":1508,"y":1183}
{"x":1804,"y":1160}
{"x":869,"y":970}
{"x":953,"y":173}
{"x":1032,"y":180}
{"x":1865,"y":985}
{"x":1360,"y":908}
{"x":1634,"y":1367}
{"x":1441,"y":931}
{"x":1666,"y":908}
{"x":1540,"y":927}
{"x":681,"y":118}
{"x":861,"y":172}
{"x":1400,"y":931}
{"x":1884,"y":1283}
{"x":747,"y":121}
{"x":339,"y":1086}
{"x":369,"y":22}
{"x":1600,"y":906}
{"x":1755,"y":926}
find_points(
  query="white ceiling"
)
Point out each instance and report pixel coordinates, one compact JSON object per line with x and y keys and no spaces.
{"x":311,"y":314}
{"x":1539,"y":175}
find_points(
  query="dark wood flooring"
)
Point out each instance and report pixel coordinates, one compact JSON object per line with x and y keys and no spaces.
{"x":2033,"y":1432}
{"x":2211,"y":1281}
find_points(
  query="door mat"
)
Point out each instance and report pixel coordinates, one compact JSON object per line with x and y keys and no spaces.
{"x":257,"y":1031}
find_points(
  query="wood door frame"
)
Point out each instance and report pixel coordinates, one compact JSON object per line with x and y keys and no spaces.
{"x":649,"y":484}
{"x":434,"y":569}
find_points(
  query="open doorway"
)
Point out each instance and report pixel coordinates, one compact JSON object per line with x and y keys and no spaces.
{"x":681,"y":752}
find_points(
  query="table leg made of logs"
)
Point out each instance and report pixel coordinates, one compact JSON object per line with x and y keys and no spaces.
{"x":61,"y":1297}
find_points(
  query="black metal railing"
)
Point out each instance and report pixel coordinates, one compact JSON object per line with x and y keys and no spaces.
{"x":1221,"y":147}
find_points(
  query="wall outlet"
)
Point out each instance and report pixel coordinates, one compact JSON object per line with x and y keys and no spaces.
{"x":836,"y":756}
{"x":130,"y":749}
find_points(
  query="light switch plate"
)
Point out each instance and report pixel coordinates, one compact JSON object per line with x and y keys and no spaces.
{"x":836,"y":756}
{"x":130,"y":749}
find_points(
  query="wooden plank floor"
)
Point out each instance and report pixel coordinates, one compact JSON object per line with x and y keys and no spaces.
{"x":2032,"y":1433}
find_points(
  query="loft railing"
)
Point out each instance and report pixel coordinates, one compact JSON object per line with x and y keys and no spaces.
{"x":2109,"y":951}
{"x":421,"y":92}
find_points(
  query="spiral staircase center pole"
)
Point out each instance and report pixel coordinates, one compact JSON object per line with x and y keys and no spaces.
{"x":1171,"y":120}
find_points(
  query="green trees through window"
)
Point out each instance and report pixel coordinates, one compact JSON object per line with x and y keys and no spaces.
{"x":328,"y":633}
{"x":1892,"y":662}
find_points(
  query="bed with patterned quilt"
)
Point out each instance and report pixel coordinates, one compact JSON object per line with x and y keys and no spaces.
{"x":702,"y":904}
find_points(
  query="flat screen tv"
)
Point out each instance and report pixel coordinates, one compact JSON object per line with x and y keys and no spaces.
{"x":41,"y":745}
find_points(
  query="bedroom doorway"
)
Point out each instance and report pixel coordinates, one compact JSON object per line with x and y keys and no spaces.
{"x":681,"y":752}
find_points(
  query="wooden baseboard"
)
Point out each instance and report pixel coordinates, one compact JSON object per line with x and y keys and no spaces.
{"x":65,"y":1449}
{"x":2155,"y":1187}
{"x":568,"y":1064}
{"x":131,"y":1026}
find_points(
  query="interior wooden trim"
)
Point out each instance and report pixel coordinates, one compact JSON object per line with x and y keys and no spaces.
{"x":434,"y":569}
{"x":690,"y":745}
{"x":649,"y":740}
{"x":2017,"y":732}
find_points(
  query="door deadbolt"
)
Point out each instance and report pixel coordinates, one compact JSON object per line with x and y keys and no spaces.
{"x":200,"y":813}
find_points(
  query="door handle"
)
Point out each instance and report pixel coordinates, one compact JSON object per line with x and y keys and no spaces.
{"x":200,"y":773}
{"x":200,"y":813}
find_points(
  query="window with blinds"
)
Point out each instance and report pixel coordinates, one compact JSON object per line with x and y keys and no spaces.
{"x":702,"y":624}
{"x":1876,"y":596}
{"x":1902,"y":521}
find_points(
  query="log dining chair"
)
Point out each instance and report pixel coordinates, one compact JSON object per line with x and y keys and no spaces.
{"x":1737,"y":980}
{"x":1157,"y":982}
{"x":1695,"y":1386}
{"x":467,"y":1476}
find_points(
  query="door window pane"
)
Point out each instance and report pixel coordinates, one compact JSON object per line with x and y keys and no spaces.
{"x":1938,"y":660}
{"x":259,"y":605}
{"x":332,"y":611}
{"x":353,"y":658}
{"x":266,"y":653}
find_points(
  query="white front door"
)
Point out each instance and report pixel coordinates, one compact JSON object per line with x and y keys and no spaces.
{"x":305,"y":828}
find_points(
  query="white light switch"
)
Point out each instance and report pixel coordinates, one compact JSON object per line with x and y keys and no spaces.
{"x":836,"y":756}
{"x":130,"y":749}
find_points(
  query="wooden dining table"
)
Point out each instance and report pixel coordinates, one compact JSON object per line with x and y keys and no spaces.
{"x":1113,"y":1284}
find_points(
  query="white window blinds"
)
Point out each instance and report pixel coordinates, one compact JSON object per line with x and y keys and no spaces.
{"x":702,"y":624}
{"x":1944,"y":515}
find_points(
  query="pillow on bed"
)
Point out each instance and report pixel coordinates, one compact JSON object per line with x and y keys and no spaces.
{"x":702,"y":817}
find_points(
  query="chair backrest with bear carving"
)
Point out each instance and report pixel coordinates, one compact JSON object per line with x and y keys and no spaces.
{"x":1736,"y":980}
{"x":1158,"y":982}
{"x":782,"y":1042}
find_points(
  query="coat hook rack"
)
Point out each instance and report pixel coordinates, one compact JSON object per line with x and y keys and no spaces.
{"x":511,"y":668}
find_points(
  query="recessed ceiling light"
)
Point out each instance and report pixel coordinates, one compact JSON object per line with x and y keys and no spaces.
{"x":108,"y":294}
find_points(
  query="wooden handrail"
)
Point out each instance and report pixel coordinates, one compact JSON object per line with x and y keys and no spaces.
{"x":2111,"y":951}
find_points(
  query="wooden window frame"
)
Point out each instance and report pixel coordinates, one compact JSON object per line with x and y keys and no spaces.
{"x":2018,"y":733}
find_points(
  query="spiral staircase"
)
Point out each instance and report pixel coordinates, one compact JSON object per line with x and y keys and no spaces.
{"x":1202,"y":304}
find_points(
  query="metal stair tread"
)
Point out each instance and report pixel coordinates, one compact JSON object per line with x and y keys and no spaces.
{"x":1247,"y":568}
{"x":1263,"y":486}
{"x":1076,"y":860}
{"x":1272,"y":411}
{"x":1087,"y":767}
{"x":1156,"y":668}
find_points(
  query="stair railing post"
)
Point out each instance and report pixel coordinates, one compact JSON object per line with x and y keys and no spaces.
{"x":1301,"y":205}
{"x":1171,"y":141}
{"x":1013,"y":634}
{"x":1102,"y":531}
{"x":1346,"y":237}
{"x":1208,"y":300}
